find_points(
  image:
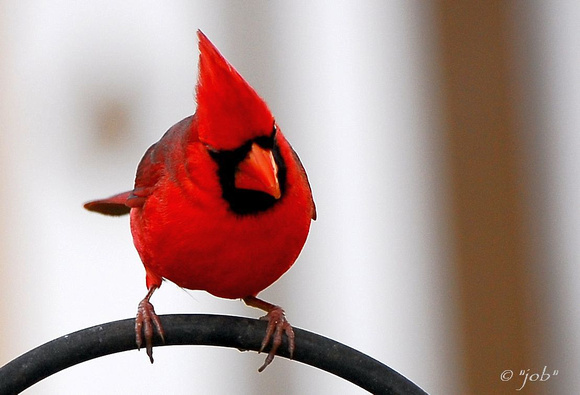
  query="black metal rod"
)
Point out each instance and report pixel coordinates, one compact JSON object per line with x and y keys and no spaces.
{"x":200,"y":329}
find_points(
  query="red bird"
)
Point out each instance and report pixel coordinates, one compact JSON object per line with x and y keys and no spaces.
{"x":221,"y":203}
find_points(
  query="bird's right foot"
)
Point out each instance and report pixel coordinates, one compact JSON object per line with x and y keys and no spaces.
{"x":145,"y":324}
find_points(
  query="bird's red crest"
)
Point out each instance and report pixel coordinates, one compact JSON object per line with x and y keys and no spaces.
{"x":229,"y":111}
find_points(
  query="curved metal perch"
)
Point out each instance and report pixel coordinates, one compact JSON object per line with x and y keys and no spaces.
{"x":200,"y":329}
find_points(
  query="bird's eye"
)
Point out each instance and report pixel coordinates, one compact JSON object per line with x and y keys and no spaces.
{"x":267,"y":141}
{"x":211,"y":149}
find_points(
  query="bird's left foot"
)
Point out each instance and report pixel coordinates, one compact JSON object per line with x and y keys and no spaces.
{"x":277,"y":326}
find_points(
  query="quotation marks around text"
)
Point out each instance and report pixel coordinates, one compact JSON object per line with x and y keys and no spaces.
{"x":507,"y":375}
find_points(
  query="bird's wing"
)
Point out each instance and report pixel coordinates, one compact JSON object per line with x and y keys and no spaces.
{"x":303,"y":172}
{"x":148,"y":173}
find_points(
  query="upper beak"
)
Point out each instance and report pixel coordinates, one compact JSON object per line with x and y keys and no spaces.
{"x":259,"y":172}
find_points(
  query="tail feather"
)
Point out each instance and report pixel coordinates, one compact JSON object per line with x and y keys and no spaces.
{"x":114,"y":205}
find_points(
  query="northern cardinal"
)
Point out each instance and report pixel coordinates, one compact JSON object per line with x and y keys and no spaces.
{"x":221,"y":202}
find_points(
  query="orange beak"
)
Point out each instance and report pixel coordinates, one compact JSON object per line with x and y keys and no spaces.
{"x":259,"y":172}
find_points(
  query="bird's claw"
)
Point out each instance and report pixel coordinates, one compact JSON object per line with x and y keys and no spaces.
{"x":277,"y":325}
{"x":145,"y":323}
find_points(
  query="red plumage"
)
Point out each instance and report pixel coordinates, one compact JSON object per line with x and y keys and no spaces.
{"x":221,"y":203}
